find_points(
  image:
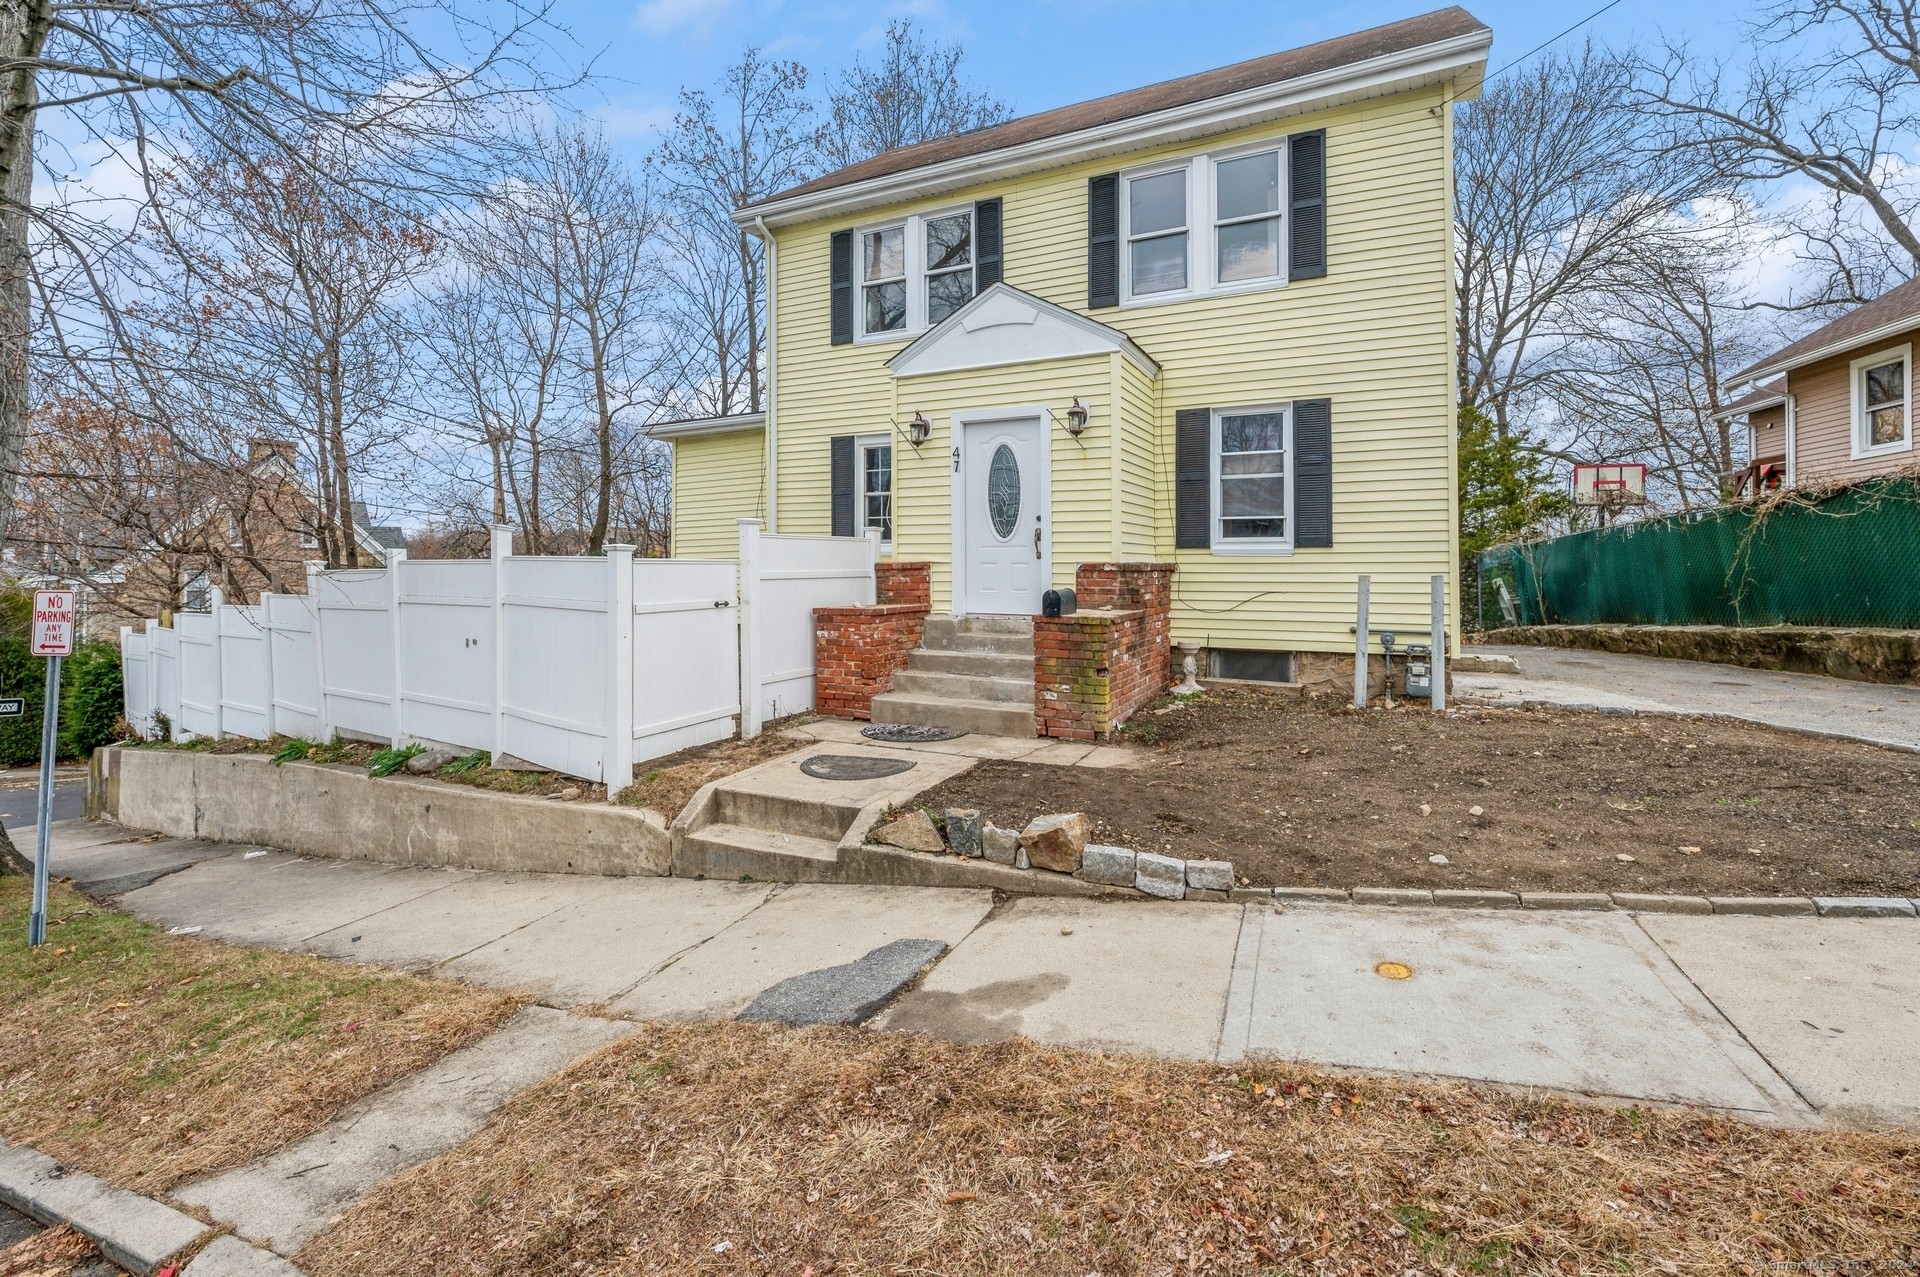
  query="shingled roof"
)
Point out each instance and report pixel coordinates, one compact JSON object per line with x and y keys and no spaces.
{"x":1274,"y":68}
{"x":1894,"y":307}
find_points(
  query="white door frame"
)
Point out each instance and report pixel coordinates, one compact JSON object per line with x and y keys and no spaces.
{"x":958,"y":489}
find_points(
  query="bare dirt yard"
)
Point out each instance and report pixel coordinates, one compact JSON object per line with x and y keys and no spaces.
{"x":738,"y":1148}
{"x":1302,"y":795}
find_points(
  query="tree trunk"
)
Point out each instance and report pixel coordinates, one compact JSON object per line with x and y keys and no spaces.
{"x":12,"y":859}
{"x":23,"y":31}
{"x":342,"y":488}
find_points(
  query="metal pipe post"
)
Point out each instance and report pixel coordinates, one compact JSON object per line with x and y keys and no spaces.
{"x":1437,"y":664}
{"x":43,"y":824}
{"x":1360,"y":637}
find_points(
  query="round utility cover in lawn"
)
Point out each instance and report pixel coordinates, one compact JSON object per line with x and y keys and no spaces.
{"x":848,"y":767}
{"x":908,"y":734}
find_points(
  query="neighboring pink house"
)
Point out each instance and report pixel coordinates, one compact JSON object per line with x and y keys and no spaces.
{"x":1838,"y":403}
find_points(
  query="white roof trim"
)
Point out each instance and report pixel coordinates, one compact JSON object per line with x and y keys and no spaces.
{"x":1767,"y":370}
{"x":1005,"y":326}
{"x":1428,"y":64}
{"x":695,"y":427}
{"x":1758,"y":405}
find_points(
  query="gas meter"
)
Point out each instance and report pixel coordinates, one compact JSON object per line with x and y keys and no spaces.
{"x":1419,"y":671}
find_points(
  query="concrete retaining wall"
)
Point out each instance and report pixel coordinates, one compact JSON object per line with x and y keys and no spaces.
{"x":319,"y":810}
{"x":1867,"y":656}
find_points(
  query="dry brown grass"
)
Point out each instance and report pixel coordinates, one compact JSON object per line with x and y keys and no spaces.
{"x":730,"y":1148}
{"x":668,"y":784}
{"x":149,"y":1059}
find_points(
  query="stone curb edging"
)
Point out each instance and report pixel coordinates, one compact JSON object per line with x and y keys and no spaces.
{"x":134,"y":1232}
{"x":1630,"y":902}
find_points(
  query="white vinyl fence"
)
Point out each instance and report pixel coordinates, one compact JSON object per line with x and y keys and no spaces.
{"x":583,"y":666}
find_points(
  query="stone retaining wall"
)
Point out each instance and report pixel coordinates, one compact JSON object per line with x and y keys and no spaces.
{"x":1093,"y":669}
{"x":315,"y":809}
{"x":858,"y":650}
{"x":1868,"y":656}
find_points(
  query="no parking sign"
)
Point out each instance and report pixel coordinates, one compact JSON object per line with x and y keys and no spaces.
{"x":52,"y":633}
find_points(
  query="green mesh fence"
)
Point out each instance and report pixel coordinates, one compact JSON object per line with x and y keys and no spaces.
{"x":1846,"y":558}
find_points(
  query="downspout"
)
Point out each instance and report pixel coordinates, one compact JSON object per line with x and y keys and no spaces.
{"x":1792,"y":442}
{"x":773,"y":381}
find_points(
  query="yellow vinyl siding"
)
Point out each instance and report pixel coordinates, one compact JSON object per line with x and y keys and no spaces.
{"x":1374,"y":336}
{"x":717,"y":481}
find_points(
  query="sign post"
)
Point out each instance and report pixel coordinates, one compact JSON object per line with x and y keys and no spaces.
{"x":51,"y":637}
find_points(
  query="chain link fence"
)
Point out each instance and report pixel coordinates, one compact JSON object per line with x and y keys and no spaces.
{"x":1849,"y":557}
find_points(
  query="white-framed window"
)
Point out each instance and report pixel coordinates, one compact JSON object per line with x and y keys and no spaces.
{"x":913,"y":272}
{"x":1883,"y":402}
{"x":873,"y":486}
{"x":1213,"y":223}
{"x":1251,"y":453}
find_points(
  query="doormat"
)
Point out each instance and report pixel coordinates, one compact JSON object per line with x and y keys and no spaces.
{"x":907,"y":734}
{"x":848,"y":767}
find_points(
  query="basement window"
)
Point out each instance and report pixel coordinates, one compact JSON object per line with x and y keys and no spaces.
{"x":1253,"y":667}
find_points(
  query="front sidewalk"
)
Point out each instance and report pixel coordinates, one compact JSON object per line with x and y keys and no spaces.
{"x":1788,"y":1019}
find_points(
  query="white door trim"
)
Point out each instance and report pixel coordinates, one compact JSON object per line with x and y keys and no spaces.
{"x":957,"y":488}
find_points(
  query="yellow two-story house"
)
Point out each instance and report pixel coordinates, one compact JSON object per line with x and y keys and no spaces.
{"x":1206,"y":322}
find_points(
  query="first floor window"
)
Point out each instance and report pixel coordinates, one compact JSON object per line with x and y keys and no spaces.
{"x":1250,"y":448}
{"x":1880,"y":390}
{"x":874,"y":500}
{"x":883,"y":276}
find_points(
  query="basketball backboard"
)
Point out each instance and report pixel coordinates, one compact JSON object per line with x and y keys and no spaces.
{"x":1611,"y":486}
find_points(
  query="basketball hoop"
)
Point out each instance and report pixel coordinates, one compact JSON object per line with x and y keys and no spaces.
{"x":1609,"y":488}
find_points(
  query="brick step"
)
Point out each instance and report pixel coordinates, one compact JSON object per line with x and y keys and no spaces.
{"x":989,"y":718}
{"x":973,"y":664}
{"x":967,"y":687}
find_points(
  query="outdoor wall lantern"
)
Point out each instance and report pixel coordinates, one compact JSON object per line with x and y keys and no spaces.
{"x":1076,"y":417}
{"x":919,"y":430}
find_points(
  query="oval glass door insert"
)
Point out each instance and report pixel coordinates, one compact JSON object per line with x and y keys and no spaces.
{"x":1003,"y":492}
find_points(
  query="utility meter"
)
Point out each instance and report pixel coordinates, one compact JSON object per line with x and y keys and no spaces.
{"x":1419,"y":671}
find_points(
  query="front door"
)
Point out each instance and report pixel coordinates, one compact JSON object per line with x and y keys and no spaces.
{"x":1005,"y":543}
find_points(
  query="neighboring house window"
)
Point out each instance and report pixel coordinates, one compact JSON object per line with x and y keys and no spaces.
{"x":873,"y":505}
{"x":915,"y":273}
{"x":1157,"y":233}
{"x":1228,"y":201}
{"x":196,"y":594}
{"x":1883,"y":402}
{"x":1252,"y":481}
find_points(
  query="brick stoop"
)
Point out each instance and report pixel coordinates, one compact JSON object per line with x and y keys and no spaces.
{"x":858,"y":651}
{"x":1092,"y":670}
{"x":971,"y":673}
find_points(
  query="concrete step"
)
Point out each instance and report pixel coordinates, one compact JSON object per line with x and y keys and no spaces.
{"x":725,"y":851}
{"x":804,"y":817}
{"x":1008,"y":634}
{"x":973,"y":664}
{"x":989,"y":718}
{"x":965,"y":687}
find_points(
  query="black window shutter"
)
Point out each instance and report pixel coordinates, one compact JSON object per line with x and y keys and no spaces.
{"x":841,"y":277}
{"x":986,"y":245}
{"x":1312,"y":473}
{"x":1192,"y":478}
{"x":843,"y":485}
{"x":1307,"y":205}
{"x":1103,"y":240}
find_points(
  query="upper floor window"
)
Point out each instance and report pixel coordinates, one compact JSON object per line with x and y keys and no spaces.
{"x":1236,"y":244}
{"x":1883,"y":402}
{"x":914,"y":273}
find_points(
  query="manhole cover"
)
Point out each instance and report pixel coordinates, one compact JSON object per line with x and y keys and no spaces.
{"x":907,"y":734}
{"x":1393,"y":970}
{"x":847,"y":767}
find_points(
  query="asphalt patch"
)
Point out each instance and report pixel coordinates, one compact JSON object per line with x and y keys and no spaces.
{"x":851,"y":993}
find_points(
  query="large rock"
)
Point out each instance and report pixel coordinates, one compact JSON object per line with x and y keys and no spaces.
{"x":1001,"y":846}
{"x":911,"y":832}
{"x":963,"y":831}
{"x":429,"y":761}
{"x":1162,"y":876}
{"x":1210,"y":875}
{"x":1112,"y":866}
{"x":1055,"y":842}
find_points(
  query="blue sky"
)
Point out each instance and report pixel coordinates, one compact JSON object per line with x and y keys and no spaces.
{"x":1042,"y":53}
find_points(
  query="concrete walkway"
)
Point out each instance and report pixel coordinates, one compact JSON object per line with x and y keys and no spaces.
{"x":1874,"y":712}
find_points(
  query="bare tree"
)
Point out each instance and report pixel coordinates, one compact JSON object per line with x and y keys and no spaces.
{"x":1830,"y":94}
{"x":751,"y":139}
{"x":911,"y":93}
{"x":149,"y":85}
{"x":1557,"y":210}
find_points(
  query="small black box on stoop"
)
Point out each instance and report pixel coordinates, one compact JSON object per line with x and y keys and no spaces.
{"x":1059,"y":603}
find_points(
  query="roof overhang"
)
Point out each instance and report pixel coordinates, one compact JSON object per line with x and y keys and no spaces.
{"x":1749,"y":405}
{"x":695,"y":427}
{"x":1460,"y":59}
{"x":1004,"y":326}
{"x":1859,"y":341}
